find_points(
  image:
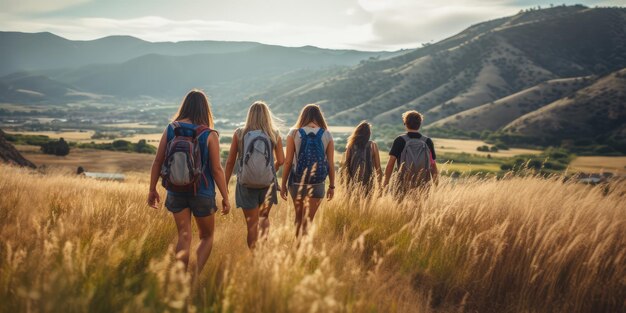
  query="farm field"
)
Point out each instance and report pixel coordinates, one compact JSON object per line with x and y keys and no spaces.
{"x":112,"y":161}
{"x":441,"y":144}
{"x":95,"y":246}
{"x":91,"y":160}
{"x":598,"y":164}
{"x":469,"y":146}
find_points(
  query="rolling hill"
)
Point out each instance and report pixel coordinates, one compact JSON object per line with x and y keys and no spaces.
{"x":595,"y":112}
{"x":497,"y":114}
{"x":482,"y":64}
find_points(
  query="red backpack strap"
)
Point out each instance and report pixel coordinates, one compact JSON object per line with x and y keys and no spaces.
{"x":201,"y":129}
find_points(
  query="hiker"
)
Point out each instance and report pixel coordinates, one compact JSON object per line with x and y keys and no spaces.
{"x":361,"y":161}
{"x":415,"y":156}
{"x":258,"y":150}
{"x":309,"y":161}
{"x":188,"y":161}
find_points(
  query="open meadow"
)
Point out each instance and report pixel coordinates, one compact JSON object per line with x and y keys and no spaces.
{"x":518,"y":244}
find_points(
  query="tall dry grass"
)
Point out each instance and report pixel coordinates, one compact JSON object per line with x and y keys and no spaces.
{"x":520,"y":244}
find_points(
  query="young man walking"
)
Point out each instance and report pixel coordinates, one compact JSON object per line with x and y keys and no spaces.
{"x":414,"y":155}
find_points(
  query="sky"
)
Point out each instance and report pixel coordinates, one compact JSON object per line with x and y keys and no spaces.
{"x":337,"y":24}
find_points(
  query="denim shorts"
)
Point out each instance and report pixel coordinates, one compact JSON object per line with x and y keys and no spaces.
{"x":251,"y":198}
{"x":200,"y":206}
{"x":312,"y":191}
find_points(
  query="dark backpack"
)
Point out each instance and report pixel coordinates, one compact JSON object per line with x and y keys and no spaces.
{"x":360,"y":163}
{"x":183,"y":168}
{"x":415,"y":160}
{"x":312,"y":166}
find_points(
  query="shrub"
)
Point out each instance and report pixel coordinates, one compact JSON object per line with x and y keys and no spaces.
{"x":59,"y":148}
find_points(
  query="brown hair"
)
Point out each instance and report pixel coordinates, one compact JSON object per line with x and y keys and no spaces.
{"x":311,"y":113}
{"x":359,"y":137}
{"x":412,"y":119}
{"x":196,"y":108}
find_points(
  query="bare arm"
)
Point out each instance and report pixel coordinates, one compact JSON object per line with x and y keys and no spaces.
{"x":389,"y":169}
{"x":376,"y":159}
{"x":435,"y":172}
{"x":291,"y":148}
{"x":279,"y":154}
{"x":232,"y":158}
{"x":217,"y":171}
{"x":330,"y":156}
{"x":155,"y":171}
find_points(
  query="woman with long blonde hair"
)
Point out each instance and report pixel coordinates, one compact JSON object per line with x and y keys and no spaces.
{"x":193,"y":124}
{"x":254,"y":147}
{"x":309,"y":161}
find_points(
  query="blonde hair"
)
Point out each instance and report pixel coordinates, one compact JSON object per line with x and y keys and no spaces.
{"x":196,"y":108}
{"x":311,"y":113}
{"x":261,"y":118}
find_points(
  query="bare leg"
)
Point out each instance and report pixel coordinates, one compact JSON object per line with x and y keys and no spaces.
{"x":298,"y":205}
{"x":252,"y":222}
{"x":206,"y":229}
{"x":264,"y":219}
{"x":183,"y":224}
{"x":312,"y":204}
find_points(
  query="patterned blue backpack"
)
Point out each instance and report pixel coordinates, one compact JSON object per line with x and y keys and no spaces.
{"x":312,"y":167}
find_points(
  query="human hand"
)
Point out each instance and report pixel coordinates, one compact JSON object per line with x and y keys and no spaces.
{"x":153,"y":199}
{"x":225,"y":206}
{"x":330,"y":194}
{"x":283,"y":191}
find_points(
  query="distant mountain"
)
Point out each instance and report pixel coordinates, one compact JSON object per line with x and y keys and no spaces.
{"x":162,"y":76}
{"x":44,"y":51}
{"x":123,"y":66}
{"x":480,"y":65}
{"x":33,"y":89}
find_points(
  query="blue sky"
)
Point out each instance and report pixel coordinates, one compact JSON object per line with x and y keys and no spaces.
{"x":355,"y":24}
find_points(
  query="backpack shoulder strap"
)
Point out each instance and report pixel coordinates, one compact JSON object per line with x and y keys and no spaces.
{"x":239,"y":135}
{"x":320,"y":133}
{"x":201,"y":129}
{"x":302,"y":132}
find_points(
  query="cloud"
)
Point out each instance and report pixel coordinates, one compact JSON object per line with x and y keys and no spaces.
{"x":355,"y":24}
{"x":402,"y":22}
{"x":154,"y":28}
{"x":37,"y":6}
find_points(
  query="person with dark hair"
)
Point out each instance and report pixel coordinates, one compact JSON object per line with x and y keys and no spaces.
{"x":361,"y":161}
{"x":188,"y":161}
{"x":414,"y":155}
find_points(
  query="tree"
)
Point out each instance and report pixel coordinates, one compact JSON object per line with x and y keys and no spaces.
{"x":59,"y":148}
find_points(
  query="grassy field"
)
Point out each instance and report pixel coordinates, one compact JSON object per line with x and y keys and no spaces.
{"x":512,"y":245}
{"x":597,"y":164}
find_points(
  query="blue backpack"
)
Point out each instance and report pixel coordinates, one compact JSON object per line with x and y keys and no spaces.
{"x":312,"y":167}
